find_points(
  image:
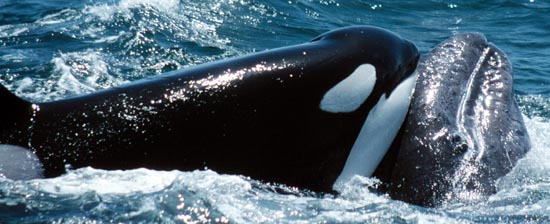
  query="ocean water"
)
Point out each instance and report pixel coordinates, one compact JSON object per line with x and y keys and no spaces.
{"x":52,"y":49}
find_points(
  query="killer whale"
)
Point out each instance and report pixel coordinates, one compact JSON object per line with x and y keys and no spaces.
{"x":310,"y":115}
{"x":463,"y":130}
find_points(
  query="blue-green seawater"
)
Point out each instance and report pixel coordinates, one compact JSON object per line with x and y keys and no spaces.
{"x":52,"y":49}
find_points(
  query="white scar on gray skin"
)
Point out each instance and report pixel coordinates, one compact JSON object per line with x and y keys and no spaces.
{"x":350,"y":93}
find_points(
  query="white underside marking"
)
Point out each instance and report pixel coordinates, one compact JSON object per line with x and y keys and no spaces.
{"x":18,"y":163}
{"x":380,"y":128}
{"x":350,"y":93}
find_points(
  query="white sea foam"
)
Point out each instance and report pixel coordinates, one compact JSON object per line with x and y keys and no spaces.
{"x":193,"y":22}
{"x":12,"y":30}
{"x":16,"y":56}
{"x":108,"y":12}
{"x":107,"y":182}
{"x":23,"y":84}
{"x":58,"y":17}
{"x":72,"y":74}
{"x":82,"y":72}
{"x":534,"y":168}
{"x":67,"y":81}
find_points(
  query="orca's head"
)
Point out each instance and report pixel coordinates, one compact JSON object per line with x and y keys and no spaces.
{"x":380,"y":60}
{"x":378,"y":89}
{"x":393,"y":57}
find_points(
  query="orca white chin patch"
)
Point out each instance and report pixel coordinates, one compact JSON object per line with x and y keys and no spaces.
{"x":377,"y":134}
{"x":350,"y":93}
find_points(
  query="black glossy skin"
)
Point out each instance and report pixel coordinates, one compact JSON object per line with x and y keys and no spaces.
{"x":256,"y":115}
{"x":464,"y":129}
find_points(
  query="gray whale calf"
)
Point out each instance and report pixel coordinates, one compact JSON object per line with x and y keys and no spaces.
{"x":307,"y":115}
{"x":463,"y":130}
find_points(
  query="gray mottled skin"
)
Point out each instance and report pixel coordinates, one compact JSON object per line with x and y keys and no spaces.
{"x":464,"y":129}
